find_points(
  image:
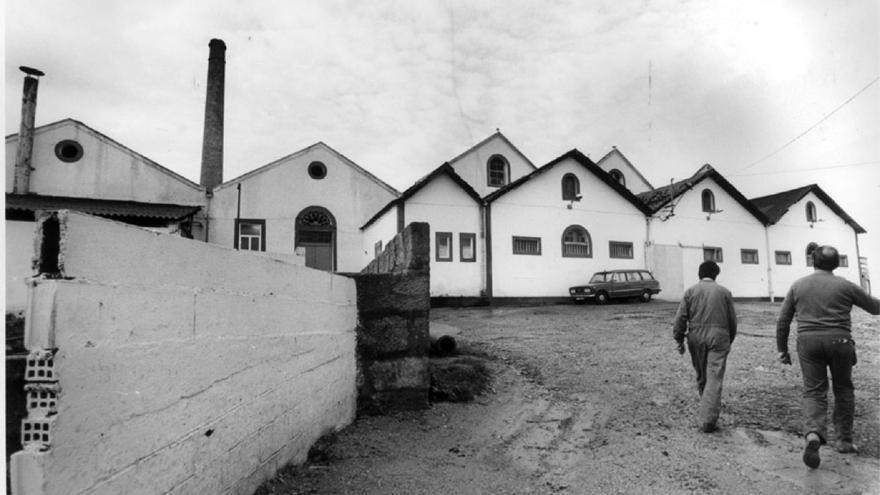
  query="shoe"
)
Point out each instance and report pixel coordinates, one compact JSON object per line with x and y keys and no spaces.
{"x":709,"y":427}
{"x":846,"y":447}
{"x":811,"y":451}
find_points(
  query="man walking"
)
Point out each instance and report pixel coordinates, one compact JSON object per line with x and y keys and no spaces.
{"x":707,"y":318}
{"x":822,"y":303}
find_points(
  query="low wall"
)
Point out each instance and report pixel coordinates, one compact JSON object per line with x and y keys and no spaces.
{"x":394,"y":304}
{"x":164,"y":365}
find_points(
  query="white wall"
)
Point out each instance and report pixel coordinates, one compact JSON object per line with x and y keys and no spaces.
{"x":447,"y":208}
{"x":278,"y":193}
{"x":106,"y":170}
{"x":183,"y":367}
{"x":536,"y":209}
{"x":383,"y":229}
{"x":19,"y":251}
{"x":793,"y":233}
{"x":634,"y":182}
{"x":732,"y":229}
{"x":471,"y":166}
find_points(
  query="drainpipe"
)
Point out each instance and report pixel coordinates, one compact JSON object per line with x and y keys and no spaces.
{"x":21,"y":184}
{"x":649,"y":266}
{"x":488,"y":225}
{"x":237,"y":215}
{"x":769,"y":264}
{"x":859,"y":264}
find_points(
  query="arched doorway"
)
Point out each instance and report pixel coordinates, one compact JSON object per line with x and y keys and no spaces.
{"x":316,"y":234}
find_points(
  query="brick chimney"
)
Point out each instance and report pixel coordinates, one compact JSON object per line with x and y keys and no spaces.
{"x":212,"y":142}
{"x":21,"y":184}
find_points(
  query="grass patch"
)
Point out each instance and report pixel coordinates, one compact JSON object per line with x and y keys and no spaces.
{"x":458,"y":379}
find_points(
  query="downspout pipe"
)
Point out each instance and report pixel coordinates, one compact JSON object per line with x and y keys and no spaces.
{"x":769,"y":264}
{"x":22,"y":179}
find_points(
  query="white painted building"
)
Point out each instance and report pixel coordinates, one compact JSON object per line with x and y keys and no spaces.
{"x":491,"y":164}
{"x":620,"y":169}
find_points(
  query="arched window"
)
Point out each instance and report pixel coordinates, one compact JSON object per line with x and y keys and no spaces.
{"x":576,"y":243}
{"x":618,"y":176}
{"x":809,"y":252}
{"x":315,"y":232}
{"x":497,"y":171}
{"x":708,"y":201}
{"x":571,"y":187}
{"x":811,"y":212}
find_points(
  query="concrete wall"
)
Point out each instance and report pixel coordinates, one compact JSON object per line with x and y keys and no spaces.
{"x":394,"y":306}
{"x":536,"y":209}
{"x":19,"y":253}
{"x":471,"y":166}
{"x":175,"y":366}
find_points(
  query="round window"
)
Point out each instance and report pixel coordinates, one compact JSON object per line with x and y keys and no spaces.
{"x":317,"y":170}
{"x":68,"y":150}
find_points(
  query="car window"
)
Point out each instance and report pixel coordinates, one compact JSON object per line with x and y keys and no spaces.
{"x":597,"y":278}
{"x":618,"y":277}
{"x":633,"y":276}
{"x":646,"y":276}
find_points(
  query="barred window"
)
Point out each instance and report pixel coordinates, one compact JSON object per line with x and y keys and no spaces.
{"x":497,"y":171}
{"x":749,"y":256}
{"x":713,"y":254}
{"x":576,"y":243}
{"x":526,"y":245}
{"x":783,"y":257}
{"x":620,"y":249}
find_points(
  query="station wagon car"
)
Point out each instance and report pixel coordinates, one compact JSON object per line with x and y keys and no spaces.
{"x":616,"y":284}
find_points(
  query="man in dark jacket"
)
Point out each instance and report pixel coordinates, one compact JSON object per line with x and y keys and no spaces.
{"x":822,"y":303}
{"x":707,"y":318}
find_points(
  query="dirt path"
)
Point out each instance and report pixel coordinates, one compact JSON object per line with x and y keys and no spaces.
{"x":595,"y":400}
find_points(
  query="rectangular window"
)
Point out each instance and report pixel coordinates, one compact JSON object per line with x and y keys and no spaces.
{"x":467,"y":245}
{"x":783,"y":257}
{"x":377,"y":249}
{"x":250,"y":235}
{"x":527,"y":245}
{"x":749,"y":256}
{"x":712,"y":254}
{"x":443,"y":247}
{"x":844,"y":261}
{"x":621,"y":249}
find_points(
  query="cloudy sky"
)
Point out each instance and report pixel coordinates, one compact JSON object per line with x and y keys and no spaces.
{"x":774,"y":94}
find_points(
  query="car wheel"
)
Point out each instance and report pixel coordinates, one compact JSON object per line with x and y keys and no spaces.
{"x":602,"y":298}
{"x":646,"y":296}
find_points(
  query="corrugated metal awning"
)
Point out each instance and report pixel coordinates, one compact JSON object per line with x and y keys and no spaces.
{"x":100,"y":207}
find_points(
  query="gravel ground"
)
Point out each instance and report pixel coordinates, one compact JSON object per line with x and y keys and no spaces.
{"x":594,"y":399}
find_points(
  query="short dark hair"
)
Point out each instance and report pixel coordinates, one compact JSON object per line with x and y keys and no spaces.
{"x":709,"y":269}
{"x":826,"y":258}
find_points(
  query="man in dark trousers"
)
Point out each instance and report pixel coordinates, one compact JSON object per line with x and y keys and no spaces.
{"x":822,"y":303}
{"x":707,"y":318}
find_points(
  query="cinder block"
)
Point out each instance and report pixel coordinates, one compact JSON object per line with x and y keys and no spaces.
{"x":37,"y":432}
{"x":42,"y":399}
{"x":40,"y":366}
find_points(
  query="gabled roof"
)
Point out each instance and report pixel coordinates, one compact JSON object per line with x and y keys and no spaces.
{"x":776,"y":205}
{"x":297,"y":154}
{"x":101,"y":207}
{"x":481,"y":143}
{"x":104,"y":137}
{"x":445,"y":169}
{"x":613,"y":151}
{"x":586,"y":163}
{"x":660,"y":197}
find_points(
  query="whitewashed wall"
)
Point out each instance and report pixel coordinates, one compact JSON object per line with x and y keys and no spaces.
{"x":183,"y":367}
{"x":732,"y":229}
{"x":536,"y":209}
{"x":19,"y":252}
{"x":471,"y":166}
{"x":793,"y":233}
{"x":634,"y":182}
{"x":382,"y":229}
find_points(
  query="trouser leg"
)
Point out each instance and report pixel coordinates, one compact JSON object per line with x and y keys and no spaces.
{"x":710,"y":402}
{"x":699,"y":355}
{"x":842,"y":352}
{"x":811,"y":355}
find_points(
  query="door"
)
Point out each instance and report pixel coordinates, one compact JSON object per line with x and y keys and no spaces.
{"x":316,"y":234}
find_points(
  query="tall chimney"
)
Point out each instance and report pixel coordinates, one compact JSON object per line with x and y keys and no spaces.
{"x":212,"y":142}
{"x":22,"y":180}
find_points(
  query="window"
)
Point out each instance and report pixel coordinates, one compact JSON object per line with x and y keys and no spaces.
{"x":809,"y":252}
{"x":377,"y":249}
{"x":844,"y":261}
{"x":443,"y":248}
{"x":618,"y":277}
{"x":617,"y":175}
{"x":526,"y":245}
{"x":712,"y":254}
{"x":620,"y":249}
{"x":250,"y":235}
{"x":811,"y":212}
{"x":633,"y":277}
{"x":708,"y":201}
{"x":467,"y":246}
{"x":571,"y":187}
{"x":497,"y":171}
{"x":576,"y":243}
{"x":68,"y":150}
{"x":783,"y":257}
{"x":317,"y":170}
{"x":749,"y":256}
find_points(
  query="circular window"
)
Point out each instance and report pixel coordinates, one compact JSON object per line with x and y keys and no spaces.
{"x":68,"y":150}
{"x":317,"y":170}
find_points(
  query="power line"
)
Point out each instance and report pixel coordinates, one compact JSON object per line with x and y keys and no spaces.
{"x":823,"y":119}
{"x":827,"y":167}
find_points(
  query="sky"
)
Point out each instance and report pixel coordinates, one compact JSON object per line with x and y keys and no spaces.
{"x":774,"y":94}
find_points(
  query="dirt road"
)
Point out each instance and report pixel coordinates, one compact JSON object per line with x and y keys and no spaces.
{"x":594,"y":399}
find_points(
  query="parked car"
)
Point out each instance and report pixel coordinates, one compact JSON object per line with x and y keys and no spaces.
{"x":614,"y":284}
